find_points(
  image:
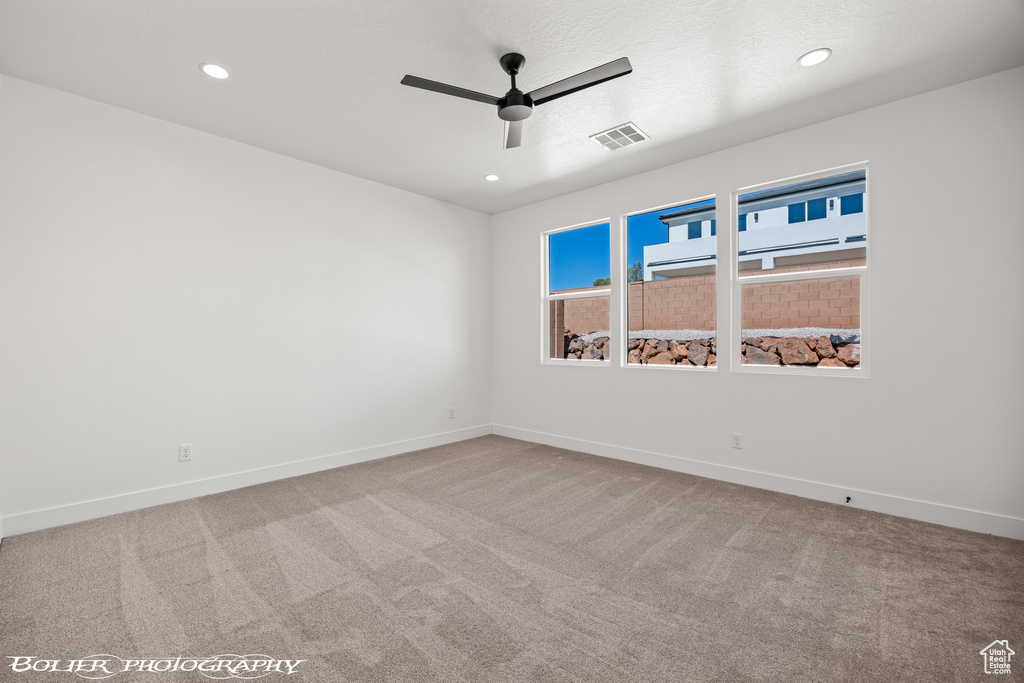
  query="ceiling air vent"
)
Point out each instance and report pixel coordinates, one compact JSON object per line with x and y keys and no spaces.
{"x":619,"y":136}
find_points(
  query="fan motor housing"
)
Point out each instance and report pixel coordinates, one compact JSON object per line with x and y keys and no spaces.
{"x":515,"y":106}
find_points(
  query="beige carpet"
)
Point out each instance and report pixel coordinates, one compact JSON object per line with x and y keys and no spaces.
{"x":501,"y":560}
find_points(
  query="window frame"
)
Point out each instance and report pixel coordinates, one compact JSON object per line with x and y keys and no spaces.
{"x":736,"y":283}
{"x":622,"y":354}
{"x":546,"y":297}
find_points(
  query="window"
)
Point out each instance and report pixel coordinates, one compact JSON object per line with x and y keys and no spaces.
{"x":816,"y":209}
{"x":801,"y":274}
{"x":743,"y":222}
{"x":851,"y":203}
{"x":797,"y":213}
{"x":670,"y":275}
{"x":577,"y":278}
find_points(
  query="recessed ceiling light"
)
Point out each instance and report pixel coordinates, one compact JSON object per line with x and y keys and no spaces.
{"x":491,"y":177}
{"x":214,"y":71}
{"x":815,"y":57}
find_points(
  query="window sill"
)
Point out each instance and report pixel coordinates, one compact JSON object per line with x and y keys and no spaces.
{"x":814,"y":371}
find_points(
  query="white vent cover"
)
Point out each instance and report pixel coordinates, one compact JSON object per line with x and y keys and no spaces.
{"x":620,"y":136}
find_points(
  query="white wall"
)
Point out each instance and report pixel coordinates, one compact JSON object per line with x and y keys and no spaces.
{"x":159,"y":286}
{"x":935,"y":433}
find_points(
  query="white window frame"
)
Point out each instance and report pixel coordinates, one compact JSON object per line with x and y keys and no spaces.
{"x":736,"y":284}
{"x":623,"y":352}
{"x":546,"y":298}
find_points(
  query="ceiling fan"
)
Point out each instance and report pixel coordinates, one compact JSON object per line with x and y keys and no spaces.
{"x":516,"y":106}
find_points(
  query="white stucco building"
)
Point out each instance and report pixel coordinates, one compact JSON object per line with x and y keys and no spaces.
{"x":808,"y":222}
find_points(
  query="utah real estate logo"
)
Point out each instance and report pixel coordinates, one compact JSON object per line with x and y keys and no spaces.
{"x":997,"y":657}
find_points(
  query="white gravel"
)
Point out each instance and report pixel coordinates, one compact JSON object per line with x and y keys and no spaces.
{"x":838,"y":336}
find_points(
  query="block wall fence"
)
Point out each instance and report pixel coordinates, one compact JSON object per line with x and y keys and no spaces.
{"x":688,"y":303}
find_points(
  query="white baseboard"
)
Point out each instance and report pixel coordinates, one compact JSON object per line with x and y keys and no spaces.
{"x":25,"y":522}
{"x":936,"y":513}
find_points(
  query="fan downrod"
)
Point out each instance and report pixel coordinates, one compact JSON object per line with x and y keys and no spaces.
{"x":515,"y":106}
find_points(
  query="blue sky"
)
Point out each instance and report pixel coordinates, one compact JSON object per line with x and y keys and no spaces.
{"x":641,"y":230}
{"x":578,"y":257}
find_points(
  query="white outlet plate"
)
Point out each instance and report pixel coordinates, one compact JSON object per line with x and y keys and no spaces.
{"x":451,"y":413}
{"x":185,"y":452}
{"x":737,"y":440}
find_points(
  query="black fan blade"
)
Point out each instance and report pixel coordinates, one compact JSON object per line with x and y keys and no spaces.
{"x":445,"y":89}
{"x":600,"y":74}
{"x":513,"y":134}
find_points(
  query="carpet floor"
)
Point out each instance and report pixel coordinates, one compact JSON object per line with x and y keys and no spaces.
{"x":495,"y":559}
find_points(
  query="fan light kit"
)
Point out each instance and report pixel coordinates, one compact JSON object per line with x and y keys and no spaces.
{"x":517,"y":106}
{"x":214,"y":71}
{"x":815,"y":57}
{"x":620,"y":136}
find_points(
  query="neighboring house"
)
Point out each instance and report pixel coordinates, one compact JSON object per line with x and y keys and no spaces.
{"x":777,"y":227}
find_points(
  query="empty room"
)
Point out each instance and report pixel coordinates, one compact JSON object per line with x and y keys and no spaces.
{"x":478,"y":341}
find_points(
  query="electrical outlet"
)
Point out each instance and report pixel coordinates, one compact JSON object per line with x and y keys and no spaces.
{"x":451,"y":413}
{"x":185,"y":452}
{"x":737,"y":440}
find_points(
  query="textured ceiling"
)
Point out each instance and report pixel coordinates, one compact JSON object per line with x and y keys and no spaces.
{"x":319,"y":80}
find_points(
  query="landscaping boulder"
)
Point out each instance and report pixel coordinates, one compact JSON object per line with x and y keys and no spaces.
{"x":654,"y":347}
{"x":678,"y":350}
{"x":849,"y":353}
{"x":755,"y":356}
{"x":698,"y":354}
{"x":823,"y":347}
{"x":795,"y":352}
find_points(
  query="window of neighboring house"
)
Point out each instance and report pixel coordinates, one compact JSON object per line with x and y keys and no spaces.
{"x":816,"y":209}
{"x":743,"y":222}
{"x":670,"y":276}
{"x":851,"y":203}
{"x":577,"y":279}
{"x":797,"y":213}
{"x":801,"y":275}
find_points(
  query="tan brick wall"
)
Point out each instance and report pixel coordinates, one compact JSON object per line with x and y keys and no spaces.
{"x":587,"y":315}
{"x":682,"y":303}
{"x":584,"y":315}
{"x":689,"y":303}
{"x":832,"y":302}
{"x":557,"y":339}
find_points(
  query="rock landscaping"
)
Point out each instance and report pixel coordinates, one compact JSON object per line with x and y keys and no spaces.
{"x":821,"y":351}
{"x":672,"y":352}
{"x":578,"y":347}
